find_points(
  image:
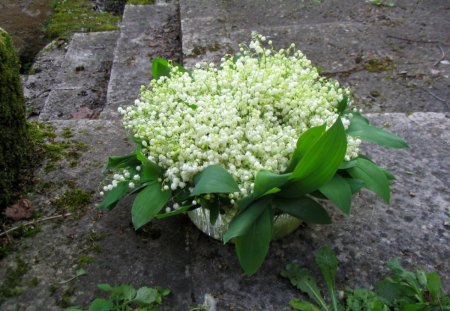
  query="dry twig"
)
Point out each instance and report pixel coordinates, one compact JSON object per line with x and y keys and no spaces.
{"x":6,"y":232}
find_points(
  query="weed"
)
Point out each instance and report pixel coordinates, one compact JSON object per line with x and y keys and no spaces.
{"x":74,"y":201}
{"x":379,"y":65}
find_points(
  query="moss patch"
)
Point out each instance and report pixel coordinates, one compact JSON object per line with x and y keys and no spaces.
{"x":141,"y":1}
{"x":12,"y":283}
{"x":78,"y":16}
{"x":74,"y":201}
{"x":379,"y":65}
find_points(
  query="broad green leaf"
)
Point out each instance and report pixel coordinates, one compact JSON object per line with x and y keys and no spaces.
{"x":304,"y":142}
{"x":303,"y":208}
{"x":215,"y":179}
{"x":342,"y":105}
{"x":393,"y":291}
{"x":266,"y":181}
{"x":373,"y":177}
{"x":105,"y":287}
{"x":115,"y":162}
{"x":160,"y":68}
{"x":253,"y":246}
{"x":355,"y":184}
{"x":73,"y":309}
{"x":124,"y":292}
{"x":327,"y":263}
{"x":100,"y":304}
{"x":303,"y":305}
{"x":434,"y":286}
{"x":403,"y":274}
{"x":148,"y":203}
{"x":303,"y":279}
{"x":417,"y":307}
{"x":245,"y":219}
{"x":146,"y":295}
{"x":178,"y":211}
{"x":213,"y":207}
{"x":360,"y":127}
{"x":347,"y":164}
{"x":149,"y":169}
{"x":320,"y":161}
{"x":113,"y":196}
{"x":338,"y":191}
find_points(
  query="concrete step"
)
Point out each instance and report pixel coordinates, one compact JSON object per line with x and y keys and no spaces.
{"x":42,"y":77}
{"x":83,"y":78}
{"x":146,"y":31}
{"x":172,"y":253}
{"x":341,"y":42}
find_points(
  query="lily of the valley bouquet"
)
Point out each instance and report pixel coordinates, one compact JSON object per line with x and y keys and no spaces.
{"x":258,"y":137}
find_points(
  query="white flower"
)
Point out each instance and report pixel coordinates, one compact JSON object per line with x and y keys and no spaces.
{"x":245,"y":115}
{"x":131,"y":185}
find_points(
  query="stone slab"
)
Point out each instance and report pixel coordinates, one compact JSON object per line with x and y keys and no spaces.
{"x":339,"y":40}
{"x":84,"y":75}
{"x":146,"y":31}
{"x":172,"y":253}
{"x":42,"y":77}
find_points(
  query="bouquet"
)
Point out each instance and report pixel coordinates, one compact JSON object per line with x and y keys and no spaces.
{"x":261,"y":135}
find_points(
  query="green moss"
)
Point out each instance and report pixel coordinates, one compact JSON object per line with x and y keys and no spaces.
{"x":66,"y":297}
{"x":379,"y":65}
{"x":15,"y":151}
{"x":140,"y":1}
{"x":85,"y":260}
{"x":78,"y":16}
{"x":74,"y":201}
{"x":67,"y":133}
{"x":12,"y":283}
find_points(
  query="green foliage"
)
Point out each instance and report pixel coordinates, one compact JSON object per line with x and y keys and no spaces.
{"x":11,"y":284}
{"x":15,"y":151}
{"x":402,"y":290}
{"x":71,"y":16}
{"x":382,"y":3}
{"x":74,"y":201}
{"x":125,"y":297}
{"x":140,"y":1}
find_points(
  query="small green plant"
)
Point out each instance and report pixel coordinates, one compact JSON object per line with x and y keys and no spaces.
{"x":382,"y":3}
{"x":402,"y":290}
{"x":125,"y":297}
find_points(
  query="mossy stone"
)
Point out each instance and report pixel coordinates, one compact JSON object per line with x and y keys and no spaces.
{"x":14,"y":140}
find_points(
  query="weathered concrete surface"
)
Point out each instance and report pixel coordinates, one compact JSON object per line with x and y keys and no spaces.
{"x":174,"y":254}
{"x":83,"y":77}
{"x":43,"y":77}
{"x":342,"y":38}
{"x":146,"y":32}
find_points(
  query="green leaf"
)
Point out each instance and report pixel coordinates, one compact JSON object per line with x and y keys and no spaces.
{"x":347,"y":164}
{"x":303,"y":208}
{"x":355,"y":184}
{"x":327,"y":262}
{"x":434,"y":286}
{"x":105,"y":287}
{"x":101,"y":305}
{"x":342,"y":105}
{"x":160,"y":68}
{"x":115,"y":162}
{"x":393,"y":291}
{"x":304,"y":142}
{"x":214,"y":179}
{"x":373,"y":177}
{"x":303,"y":279}
{"x":266,"y":181}
{"x":146,"y":295}
{"x":148,"y":203}
{"x":181,"y":210}
{"x":253,"y":246}
{"x":242,"y":222}
{"x":360,"y":127}
{"x":338,"y":191}
{"x":113,"y":196}
{"x":124,"y":292}
{"x":149,"y":169}
{"x":320,"y":161}
{"x":213,"y":207}
{"x":363,"y":300}
{"x":303,"y":305}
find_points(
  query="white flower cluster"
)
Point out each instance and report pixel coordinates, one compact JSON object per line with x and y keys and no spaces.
{"x":125,"y":175}
{"x":246,"y":114}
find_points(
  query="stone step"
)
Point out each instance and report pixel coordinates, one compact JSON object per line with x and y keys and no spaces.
{"x":409,"y":76}
{"x":172,"y":253}
{"x":42,"y":77}
{"x":83,"y":78}
{"x":146,"y":31}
